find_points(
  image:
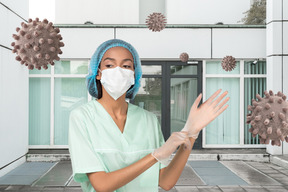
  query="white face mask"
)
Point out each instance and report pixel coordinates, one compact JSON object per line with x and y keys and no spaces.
{"x":117,"y":81}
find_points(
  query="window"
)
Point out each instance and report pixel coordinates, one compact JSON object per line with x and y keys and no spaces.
{"x":53,"y":94}
{"x":168,"y":90}
{"x":243,"y":83}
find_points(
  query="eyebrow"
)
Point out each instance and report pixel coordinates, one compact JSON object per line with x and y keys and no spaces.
{"x":109,"y":58}
{"x":127,"y":60}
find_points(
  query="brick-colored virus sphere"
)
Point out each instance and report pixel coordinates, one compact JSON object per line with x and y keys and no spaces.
{"x":184,"y":57}
{"x":37,"y":44}
{"x":156,"y":22}
{"x":269,"y":118}
{"x":228,"y":63}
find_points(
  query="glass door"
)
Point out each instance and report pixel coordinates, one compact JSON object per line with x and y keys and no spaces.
{"x":168,"y":89}
{"x":149,"y":96}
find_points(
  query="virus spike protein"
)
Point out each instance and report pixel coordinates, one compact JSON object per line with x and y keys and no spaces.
{"x":228,"y":63}
{"x":269,"y":117}
{"x":184,"y":57}
{"x":37,"y":43}
{"x":156,"y":22}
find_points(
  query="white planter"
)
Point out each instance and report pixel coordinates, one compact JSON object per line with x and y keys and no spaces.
{"x":276,"y":150}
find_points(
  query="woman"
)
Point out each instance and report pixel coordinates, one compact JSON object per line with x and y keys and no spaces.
{"x":117,"y":146}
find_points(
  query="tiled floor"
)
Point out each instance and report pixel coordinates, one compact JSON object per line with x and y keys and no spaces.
{"x":60,"y":175}
{"x":26,"y":174}
{"x":215,"y":173}
{"x":198,"y":176}
{"x":251,"y":175}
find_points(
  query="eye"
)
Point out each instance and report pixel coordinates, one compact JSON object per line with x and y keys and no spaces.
{"x":127,"y":66}
{"x":108,"y":65}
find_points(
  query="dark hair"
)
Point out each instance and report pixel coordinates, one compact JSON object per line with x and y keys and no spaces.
{"x":99,"y":89}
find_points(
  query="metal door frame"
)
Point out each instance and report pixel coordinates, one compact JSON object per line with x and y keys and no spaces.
{"x":165,"y":92}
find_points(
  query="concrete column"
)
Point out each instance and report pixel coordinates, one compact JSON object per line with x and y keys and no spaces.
{"x":14,"y":90}
{"x":277,"y":55}
{"x":146,"y":8}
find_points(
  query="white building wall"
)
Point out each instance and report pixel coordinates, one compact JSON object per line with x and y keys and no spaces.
{"x":206,"y":11}
{"x":136,"y":11}
{"x":277,"y":54}
{"x":285,"y":53}
{"x":145,"y":8}
{"x":169,"y":43}
{"x":82,"y":42}
{"x":240,"y":43}
{"x":97,"y":11}
{"x":13,"y":90}
{"x":199,"y":43}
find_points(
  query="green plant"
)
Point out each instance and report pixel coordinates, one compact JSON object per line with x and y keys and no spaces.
{"x":256,"y":15}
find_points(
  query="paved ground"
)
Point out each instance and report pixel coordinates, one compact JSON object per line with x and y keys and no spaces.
{"x":220,"y":175}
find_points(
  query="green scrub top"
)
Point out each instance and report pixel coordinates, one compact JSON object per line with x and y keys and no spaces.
{"x":97,"y":144}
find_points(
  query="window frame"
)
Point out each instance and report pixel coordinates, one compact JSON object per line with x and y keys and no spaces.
{"x":52,"y":77}
{"x":241,"y":77}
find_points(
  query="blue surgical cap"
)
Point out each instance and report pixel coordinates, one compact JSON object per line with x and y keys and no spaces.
{"x":95,"y":62}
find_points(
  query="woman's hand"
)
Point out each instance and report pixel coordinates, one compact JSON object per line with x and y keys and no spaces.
{"x":201,"y":116}
{"x":163,"y":153}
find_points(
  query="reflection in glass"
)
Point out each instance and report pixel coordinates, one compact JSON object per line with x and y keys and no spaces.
{"x":71,"y":67}
{"x":183,"y":70}
{"x":42,"y":71}
{"x":151,"y":69}
{"x":39,"y":111}
{"x":215,"y":67}
{"x":225,"y":128}
{"x":255,"y":68}
{"x":252,"y":87}
{"x":149,"y":96}
{"x":183,"y":92}
{"x":70,"y":93}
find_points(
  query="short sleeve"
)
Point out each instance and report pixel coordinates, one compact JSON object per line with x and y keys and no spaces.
{"x":161,"y":140}
{"x":84,"y":159}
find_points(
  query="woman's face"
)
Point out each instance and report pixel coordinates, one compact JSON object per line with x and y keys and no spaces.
{"x":116,"y":57}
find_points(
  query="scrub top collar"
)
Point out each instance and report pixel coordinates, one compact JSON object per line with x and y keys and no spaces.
{"x":109,"y":116}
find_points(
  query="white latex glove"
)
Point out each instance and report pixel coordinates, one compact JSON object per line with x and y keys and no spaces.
{"x":191,"y":133}
{"x":201,"y":116}
{"x":163,"y":153}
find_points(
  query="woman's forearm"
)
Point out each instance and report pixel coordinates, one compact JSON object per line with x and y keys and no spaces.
{"x":102,"y":181}
{"x":170,"y":174}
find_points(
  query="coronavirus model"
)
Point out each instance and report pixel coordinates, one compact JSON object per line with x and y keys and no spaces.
{"x":184,"y":57}
{"x":228,"y":63}
{"x":269,"y":118}
{"x":37,"y":43}
{"x":156,"y":22}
